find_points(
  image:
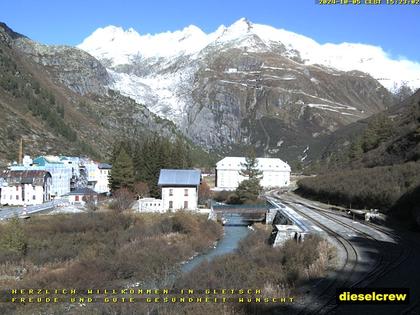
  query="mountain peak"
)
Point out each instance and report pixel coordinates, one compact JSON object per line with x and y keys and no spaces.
{"x":243,"y":24}
{"x":240,"y":28}
{"x":10,"y":32}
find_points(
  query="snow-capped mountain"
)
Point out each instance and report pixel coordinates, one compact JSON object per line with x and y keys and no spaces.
{"x":119,"y":47}
{"x":249,"y":83}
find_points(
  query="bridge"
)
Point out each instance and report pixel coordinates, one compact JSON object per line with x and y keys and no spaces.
{"x":10,"y":212}
{"x":248,"y":213}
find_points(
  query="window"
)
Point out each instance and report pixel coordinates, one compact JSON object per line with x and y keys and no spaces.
{"x":171,"y":192}
{"x":17,"y":188}
{"x":185,"y":204}
{"x":33,"y":197}
{"x":76,"y":198}
{"x":185,"y":192}
{"x":17,"y":197}
{"x":171,"y":204}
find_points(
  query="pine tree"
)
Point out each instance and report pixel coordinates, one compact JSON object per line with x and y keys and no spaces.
{"x":356,"y":150}
{"x":250,"y":167}
{"x":122,"y":172}
{"x":250,"y":188}
{"x":380,"y":128}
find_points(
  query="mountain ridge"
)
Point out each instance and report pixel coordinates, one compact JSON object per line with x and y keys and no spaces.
{"x":190,"y":40}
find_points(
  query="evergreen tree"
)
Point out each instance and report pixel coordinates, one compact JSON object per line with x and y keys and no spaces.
{"x":356,"y":150}
{"x":250,"y":167}
{"x":122,"y":172}
{"x":181,"y":154}
{"x":380,"y":128}
{"x":156,"y":153}
{"x":13,"y":237}
{"x":250,"y":188}
{"x":154,"y":160}
{"x":403,"y":92}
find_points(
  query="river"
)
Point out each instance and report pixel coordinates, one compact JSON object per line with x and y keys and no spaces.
{"x":234,"y":231}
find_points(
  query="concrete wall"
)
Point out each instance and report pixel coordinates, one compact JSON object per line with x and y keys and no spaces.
{"x":150,"y":205}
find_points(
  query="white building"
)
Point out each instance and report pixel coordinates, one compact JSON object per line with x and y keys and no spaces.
{"x":150,"y":205}
{"x":179,"y":189}
{"x":20,"y":188}
{"x":80,"y":196}
{"x":102,"y":184}
{"x":276,"y":173}
{"x":61,"y":173}
{"x":67,"y":170}
{"x":97,"y":175}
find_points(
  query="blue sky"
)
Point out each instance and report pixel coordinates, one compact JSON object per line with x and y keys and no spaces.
{"x":394,"y":28}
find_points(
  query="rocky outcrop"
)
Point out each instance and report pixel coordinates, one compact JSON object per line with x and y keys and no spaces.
{"x":69,"y":66}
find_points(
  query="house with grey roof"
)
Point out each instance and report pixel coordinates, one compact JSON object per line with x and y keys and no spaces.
{"x":179,"y":189}
{"x":82,"y":195}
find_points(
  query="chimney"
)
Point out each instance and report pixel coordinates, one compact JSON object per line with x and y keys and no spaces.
{"x":20,"y":157}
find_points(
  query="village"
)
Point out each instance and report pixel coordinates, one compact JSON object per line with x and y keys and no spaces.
{"x":80,"y":182}
{"x":78,"y":179}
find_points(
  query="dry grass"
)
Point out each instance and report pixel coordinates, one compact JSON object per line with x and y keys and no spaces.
{"x":104,"y":249}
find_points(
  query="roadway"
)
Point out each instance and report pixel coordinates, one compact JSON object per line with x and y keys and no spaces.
{"x":9,"y":212}
{"x":368,"y":256}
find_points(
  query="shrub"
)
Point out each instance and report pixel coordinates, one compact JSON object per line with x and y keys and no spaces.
{"x":378,"y":187}
{"x":122,"y":200}
{"x":12,"y":238}
{"x":221,"y":196}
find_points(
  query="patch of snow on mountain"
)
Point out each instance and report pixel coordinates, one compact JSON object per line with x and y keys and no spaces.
{"x":337,"y":109}
{"x":159,"y":93}
{"x":305,"y":154}
{"x":120,"y":47}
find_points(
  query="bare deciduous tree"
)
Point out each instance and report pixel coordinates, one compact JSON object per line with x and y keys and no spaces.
{"x":122,"y":200}
{"x":141,"y":189}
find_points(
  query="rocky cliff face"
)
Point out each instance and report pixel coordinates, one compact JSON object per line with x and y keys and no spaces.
{"x":69,"y":66}
{"x":263,"y":98}
{"x":244,"y":84}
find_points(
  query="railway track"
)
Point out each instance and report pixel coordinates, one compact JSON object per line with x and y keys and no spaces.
{"x":386,"y":259}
